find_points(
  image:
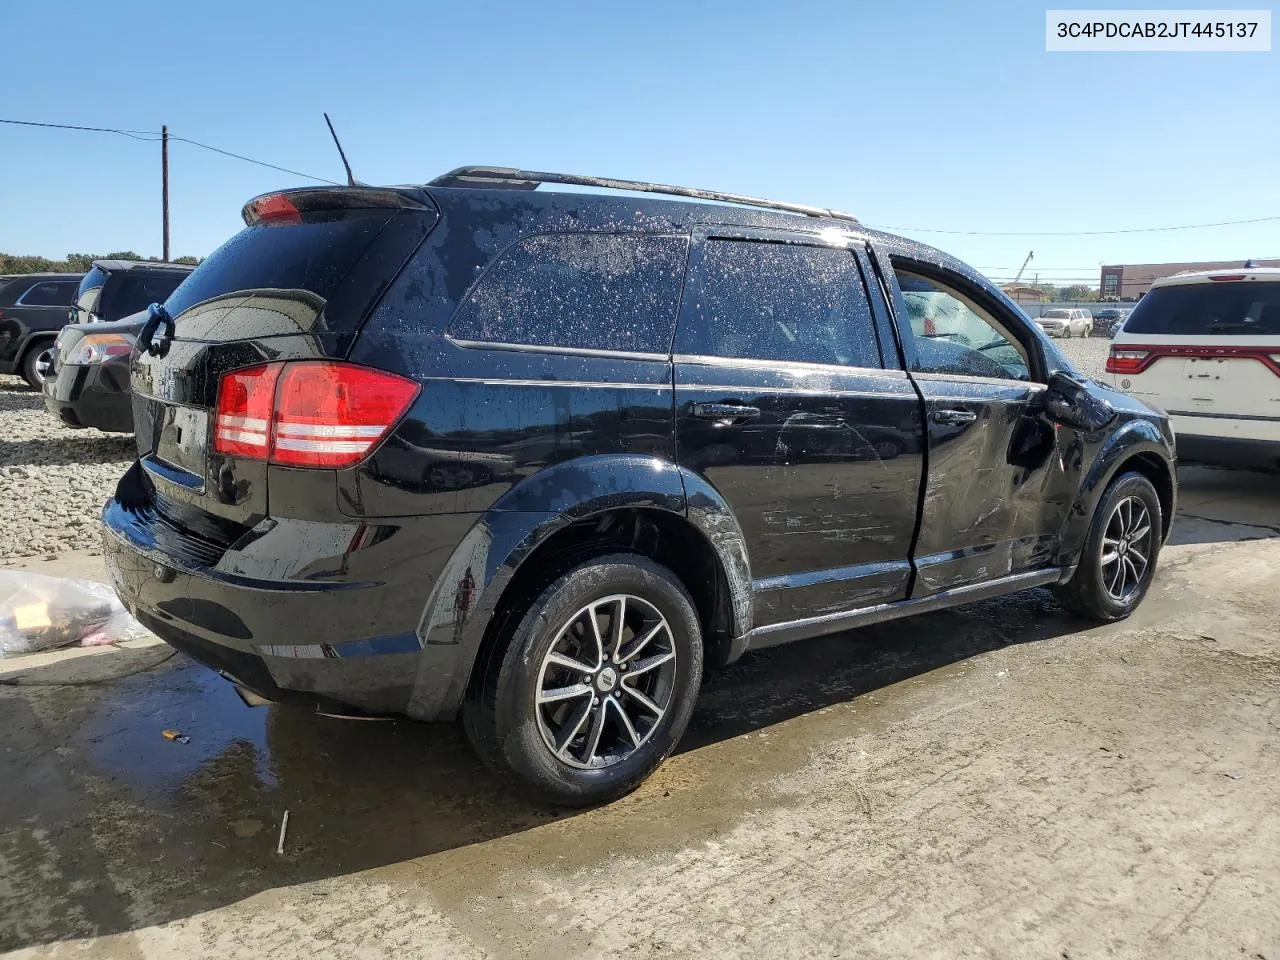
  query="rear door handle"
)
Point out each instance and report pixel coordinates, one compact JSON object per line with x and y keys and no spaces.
{"x":735,"y":412}
{"x":952,"y":417}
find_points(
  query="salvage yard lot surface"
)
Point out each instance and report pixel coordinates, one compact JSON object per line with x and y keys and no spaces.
{"x":997,"y":781}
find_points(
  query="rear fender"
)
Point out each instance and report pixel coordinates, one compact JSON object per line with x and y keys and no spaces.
{"x":465,"y":596}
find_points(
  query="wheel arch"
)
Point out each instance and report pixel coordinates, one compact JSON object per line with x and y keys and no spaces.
{"x":511,"y":555}
{"x":1138,"y":445}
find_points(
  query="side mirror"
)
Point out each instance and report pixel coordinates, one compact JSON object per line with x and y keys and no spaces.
{"x":1069,"y":401}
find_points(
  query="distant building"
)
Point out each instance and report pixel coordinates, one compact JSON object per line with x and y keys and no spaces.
{"x":1021,"y":293}
{"x":1131,"y":280}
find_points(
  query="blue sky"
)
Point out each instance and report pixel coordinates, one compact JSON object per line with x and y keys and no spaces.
{"x":910,"y":115}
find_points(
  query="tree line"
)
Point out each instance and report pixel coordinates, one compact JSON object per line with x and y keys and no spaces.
{"x":72,"y":263}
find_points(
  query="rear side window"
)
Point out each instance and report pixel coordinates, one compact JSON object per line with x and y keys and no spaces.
{"x":777,"y":301}
{"x":128,"y":292}
{"x":586,"y":290}
{"x":49,"y":293}
{"x":1226,"y":308}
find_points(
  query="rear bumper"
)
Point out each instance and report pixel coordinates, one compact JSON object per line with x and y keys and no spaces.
{"x":1228,"y":451}
{"x":339,"y":645}
{"x":91,"y":396}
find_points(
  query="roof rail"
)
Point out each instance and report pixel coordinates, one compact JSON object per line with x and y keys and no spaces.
{"x":514,"y":179}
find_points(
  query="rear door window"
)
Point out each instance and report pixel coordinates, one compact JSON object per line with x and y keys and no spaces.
{"x":760,"y":300}
{"x":1224,"y":308}
{"x":49,"y":293}
{"x":594,"y":291}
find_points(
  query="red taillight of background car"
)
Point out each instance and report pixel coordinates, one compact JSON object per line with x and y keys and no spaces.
{"x":319,"y":413}
{"x":1120,"y":360}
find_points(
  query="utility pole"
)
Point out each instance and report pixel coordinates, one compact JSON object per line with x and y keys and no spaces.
{"x":164,"y":185}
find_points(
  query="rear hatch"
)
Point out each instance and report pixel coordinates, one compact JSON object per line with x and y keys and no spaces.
{"x":1208,"y":348}
{"x":287,"y":294}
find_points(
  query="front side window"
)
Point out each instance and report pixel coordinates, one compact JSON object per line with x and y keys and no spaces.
{"x":591,"y":291}
{"x":784,"y":302}
{"x":956,"y":335}
{"x":49,"y":293}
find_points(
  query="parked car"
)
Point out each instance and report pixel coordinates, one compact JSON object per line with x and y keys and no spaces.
{"x":1066,"y":323}
{"x":33,"y":308}
{"x":88,"y":385}
{"x":115,"y":289}
{"x":1107,"y":321}
{"x":275,"y":528}
{"x":1205,"y":346}
{"x":88,"y":382}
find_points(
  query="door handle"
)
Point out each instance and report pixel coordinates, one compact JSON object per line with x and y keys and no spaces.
{"x":952,"y":417}
{"x":733,"y":412}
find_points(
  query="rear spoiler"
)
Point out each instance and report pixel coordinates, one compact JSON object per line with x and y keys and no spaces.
{"x":289,"y":206}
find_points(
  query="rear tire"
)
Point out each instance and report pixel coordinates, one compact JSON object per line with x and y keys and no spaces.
{"x":1120,"y":552}
{"x":581,"y":720}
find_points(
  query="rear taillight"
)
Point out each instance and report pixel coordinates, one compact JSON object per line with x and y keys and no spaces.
{"x":1121,"y":360}
{"x":246,"y":398}
{"x":308,"y":413}
{"x":1228,"y":276}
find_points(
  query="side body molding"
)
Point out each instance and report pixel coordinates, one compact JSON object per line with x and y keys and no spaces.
{"x":465,"y":596}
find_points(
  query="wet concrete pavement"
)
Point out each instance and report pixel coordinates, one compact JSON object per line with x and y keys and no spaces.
{"x":997,"y":781}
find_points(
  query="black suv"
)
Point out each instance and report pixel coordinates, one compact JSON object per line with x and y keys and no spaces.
{"x":538,"y":459}
{"x":33,"y":308}
{"x":87,"y":383}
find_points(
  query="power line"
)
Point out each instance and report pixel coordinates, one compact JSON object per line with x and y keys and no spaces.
{"x":146,"y":135}
{"x":154,"y":136}
{"x":261,"y":163}
{"x":1074,"y":233}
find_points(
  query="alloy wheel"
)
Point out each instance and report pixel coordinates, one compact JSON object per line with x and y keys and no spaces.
{"x":1126,"y":548}
{"x":43,"y":365}
{"x":607,"y":681}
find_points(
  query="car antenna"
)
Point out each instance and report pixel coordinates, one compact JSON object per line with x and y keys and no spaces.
{"x":351,"y":180}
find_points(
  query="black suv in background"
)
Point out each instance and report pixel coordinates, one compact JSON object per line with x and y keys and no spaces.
{"x":33,"y":308}
{"x":540,"y":458}
{"x":88,"y":382}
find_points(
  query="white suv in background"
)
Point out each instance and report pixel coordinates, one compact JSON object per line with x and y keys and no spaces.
{"x":1205,"y":347}
{"x":1066,"y":323}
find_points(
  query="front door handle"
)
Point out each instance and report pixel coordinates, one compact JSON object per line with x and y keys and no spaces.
{"x":952,"y":417}
{"x":732,"y":412}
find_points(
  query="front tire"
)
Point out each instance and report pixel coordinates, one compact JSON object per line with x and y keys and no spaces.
{"x":1120,"y":552}
{"x":594,"y":686}
{"x":37,"y":364}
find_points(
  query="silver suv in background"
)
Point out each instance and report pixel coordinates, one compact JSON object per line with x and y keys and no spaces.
{"x":1066,"y":323}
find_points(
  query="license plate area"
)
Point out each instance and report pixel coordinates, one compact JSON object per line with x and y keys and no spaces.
{"x":1206,"y":368}
{"x":182,"y":442}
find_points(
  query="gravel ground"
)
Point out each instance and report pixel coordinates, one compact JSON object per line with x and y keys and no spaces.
{"x":53,"y":479}
{"x":1089,"y":354}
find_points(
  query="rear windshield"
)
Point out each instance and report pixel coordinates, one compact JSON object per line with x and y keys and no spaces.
{"x":129,"y":292}
{"x":272,"y":279}
{"x":86,"y":304}
{"x":1227,"y":307}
